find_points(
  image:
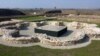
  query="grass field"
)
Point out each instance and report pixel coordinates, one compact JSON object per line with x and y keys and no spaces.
{"x":32,"y":18}
{"x":92,"y":50}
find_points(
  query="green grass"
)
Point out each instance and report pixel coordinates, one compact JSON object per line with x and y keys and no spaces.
{"x":98,"y":25}
{"x":91,"y":50}
{"x":32,"y":18}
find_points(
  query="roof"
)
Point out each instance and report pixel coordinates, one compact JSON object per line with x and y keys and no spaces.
{"x":10,"y":12}
{"x":52,"y":28}
{"x":53,"y":11}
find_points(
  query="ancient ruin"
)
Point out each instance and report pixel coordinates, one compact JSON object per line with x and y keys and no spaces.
{"x":48,"y":34}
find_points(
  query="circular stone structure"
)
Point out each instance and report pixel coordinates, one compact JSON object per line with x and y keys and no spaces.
{"x":52,"y":34}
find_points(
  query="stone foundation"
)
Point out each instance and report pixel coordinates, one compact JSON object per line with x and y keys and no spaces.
{"x":86,"y":32}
